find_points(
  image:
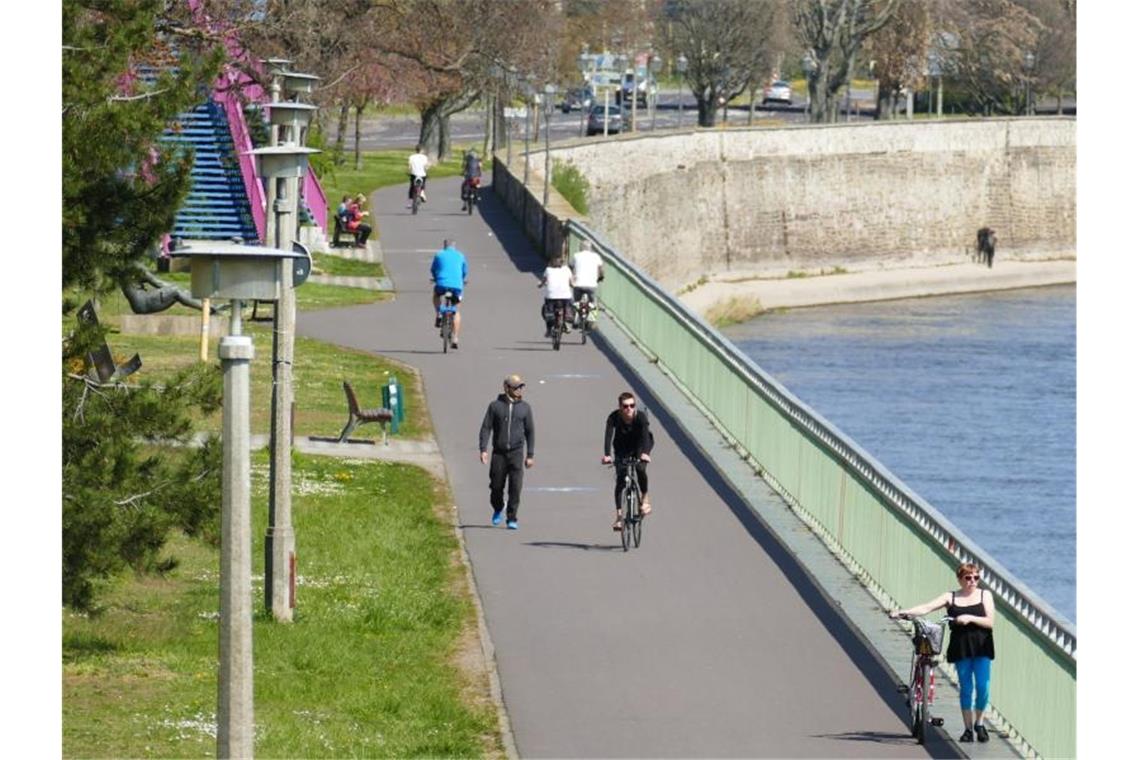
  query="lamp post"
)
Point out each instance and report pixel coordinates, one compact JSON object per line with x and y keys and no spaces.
{"x":681,"y":65}
{"x":282,"y":166}
{"x":655,"y":69}
{"x":620,"y":63}
{"x":547,"y":107}
{"x":236,"y":272}
{"x":1029,"y":61}
{"x":528,"y":93}
{"x":809,"y":66}
{"x":586,"y":63}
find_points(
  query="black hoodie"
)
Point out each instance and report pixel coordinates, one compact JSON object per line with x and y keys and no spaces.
{"x":512,"y":424}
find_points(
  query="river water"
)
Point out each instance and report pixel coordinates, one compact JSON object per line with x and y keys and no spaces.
{"x":970,"y":400}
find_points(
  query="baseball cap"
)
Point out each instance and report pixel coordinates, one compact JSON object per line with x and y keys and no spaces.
{"x":514,"y":382}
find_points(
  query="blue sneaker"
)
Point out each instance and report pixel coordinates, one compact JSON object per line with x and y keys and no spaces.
{"x":497,"y":518}
{"x":513,"y":524}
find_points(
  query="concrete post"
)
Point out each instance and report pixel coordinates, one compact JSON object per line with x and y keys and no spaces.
{"x":280,"y":542}
{"x":235,"y":629}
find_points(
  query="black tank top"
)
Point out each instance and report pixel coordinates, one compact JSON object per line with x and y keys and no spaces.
{"x":970,"y":640}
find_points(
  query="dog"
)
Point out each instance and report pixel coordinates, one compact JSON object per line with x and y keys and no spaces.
{"x":984,"y":248}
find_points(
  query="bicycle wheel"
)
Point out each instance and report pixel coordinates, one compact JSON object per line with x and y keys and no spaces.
{"x":627,"y":519}
{"x":556,"y":331}
{"x":922,"y":716}
{"x":912,"y":697}
{"x":445,"y":331}
{"x":416,"y":201}
{"x":637,"y":520}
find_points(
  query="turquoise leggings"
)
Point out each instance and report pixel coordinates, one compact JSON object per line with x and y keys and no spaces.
{"x":974,"y":673}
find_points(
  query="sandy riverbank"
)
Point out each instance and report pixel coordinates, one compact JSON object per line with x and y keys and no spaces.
{"x":743,"y":298}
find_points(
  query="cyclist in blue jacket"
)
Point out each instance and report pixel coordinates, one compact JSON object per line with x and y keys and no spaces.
{"x":449,"y":273}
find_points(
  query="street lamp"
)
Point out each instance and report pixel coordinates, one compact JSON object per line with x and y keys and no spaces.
{"x":681,"y":65}
{"x":236,"y":272}
{"x":547,"y":107}
{"x":620,"y":62}
{"x":282,"y":167}
{"x":528,"y":95}
{"x":655,"y":69}
{"x":586,"y":63}
{"x":809,"y":65}
{"x":1029,"y":61}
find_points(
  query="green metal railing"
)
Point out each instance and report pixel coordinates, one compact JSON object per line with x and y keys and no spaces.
{"x":898,"y":545}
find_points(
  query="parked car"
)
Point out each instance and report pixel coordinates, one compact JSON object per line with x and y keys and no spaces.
{"x":577,"y":98}
{"x":595,"y":124}
{"x":778,"y":92}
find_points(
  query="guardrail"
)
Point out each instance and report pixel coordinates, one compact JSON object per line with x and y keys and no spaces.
{"x":896,"y":543}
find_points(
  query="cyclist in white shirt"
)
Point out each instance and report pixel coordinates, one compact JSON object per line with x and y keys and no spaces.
{"x":556,"y":279}
{"x":417,"y":167}
{"x":586,"y":265}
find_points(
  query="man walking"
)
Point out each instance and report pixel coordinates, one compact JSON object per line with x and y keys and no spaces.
{"x":507,"y":427}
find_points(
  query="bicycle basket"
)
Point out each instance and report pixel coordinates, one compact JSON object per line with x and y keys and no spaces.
{"x":927,"y":637}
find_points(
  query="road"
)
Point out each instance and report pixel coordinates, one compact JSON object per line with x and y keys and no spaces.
{"x":709,"y":640}
{"x":387,"y":132}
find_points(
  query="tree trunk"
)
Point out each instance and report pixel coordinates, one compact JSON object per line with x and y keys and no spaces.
{"x":341,"y":129}
{"x":488,"y":125}
{"x":882,"y":101}
{"x":358,"y":160}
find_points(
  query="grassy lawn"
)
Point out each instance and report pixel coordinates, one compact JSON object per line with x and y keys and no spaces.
{"x":328,"y":263}
{"x":371,"y":666}
{"x":318,"y":369}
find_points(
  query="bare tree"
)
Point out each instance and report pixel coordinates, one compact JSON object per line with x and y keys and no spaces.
{"x":1054,"y":71}
{"x":726,"y":43}
{"x":899,"y":51}
{"x":455,"y":43}
{"x":833,"y":31}
{"x":990,"y":61}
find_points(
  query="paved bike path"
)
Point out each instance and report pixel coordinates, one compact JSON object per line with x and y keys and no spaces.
{"x":707,"y":641}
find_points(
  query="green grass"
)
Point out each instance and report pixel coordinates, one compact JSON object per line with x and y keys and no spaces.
{"x":371,"y":666}
{"x":318,"y":369}
{"x":331,"y":264}
{"x":381,"y":169}
{"x":570,"y":183}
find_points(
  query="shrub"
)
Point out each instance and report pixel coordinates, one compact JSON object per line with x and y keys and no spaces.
{"x":572,"y":185}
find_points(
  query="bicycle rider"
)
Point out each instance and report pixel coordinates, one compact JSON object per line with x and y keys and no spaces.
{"x":586,"y":265}
{"x":556,"y":279}
{"x":627,"y":428}
{"x":417,"y":167}
{"x":448,"y":273}
{"x":472,"y":169}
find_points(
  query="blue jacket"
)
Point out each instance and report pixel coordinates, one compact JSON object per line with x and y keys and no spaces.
{"x":449,"y":269}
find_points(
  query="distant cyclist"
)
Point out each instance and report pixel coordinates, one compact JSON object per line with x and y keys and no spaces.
{"x":449,"y":273}
{"x":417,"y":167}
{"x":556,"y":280}
{"x":472,"y":169}
{"x":586,"y":265}
{"x":627,"y":430}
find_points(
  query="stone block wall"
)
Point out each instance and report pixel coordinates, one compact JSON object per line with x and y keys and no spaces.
{"x":767,"y":201}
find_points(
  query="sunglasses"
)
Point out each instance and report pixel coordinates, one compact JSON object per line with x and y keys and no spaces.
{"x":971,"y":577}
{"x":629,"y":406}
{"x":518,"y":387}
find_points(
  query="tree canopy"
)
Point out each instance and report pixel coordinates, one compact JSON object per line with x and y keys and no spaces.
{"x":129,"y":67}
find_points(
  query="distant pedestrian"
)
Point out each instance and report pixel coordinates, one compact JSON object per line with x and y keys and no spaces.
{"x":507,"y":432}
{"x":971,"y":648}
{"x":986,"y":246}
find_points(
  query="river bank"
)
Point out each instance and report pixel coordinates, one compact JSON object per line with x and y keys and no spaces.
{"x":727,"y":300}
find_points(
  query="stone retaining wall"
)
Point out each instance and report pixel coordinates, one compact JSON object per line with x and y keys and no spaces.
{"x":683,"y":205}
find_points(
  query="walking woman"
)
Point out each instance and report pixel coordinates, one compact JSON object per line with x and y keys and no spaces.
{"x":971,"y":648}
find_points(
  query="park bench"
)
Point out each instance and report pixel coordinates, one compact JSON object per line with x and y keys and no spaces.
{"x":358,"y":416}
{"x":340,"y":229}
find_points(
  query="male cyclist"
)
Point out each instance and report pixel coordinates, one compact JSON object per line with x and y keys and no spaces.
{"x":417,"y":167}
{"x":628,"y":431}
{"x":449,"y":273}
{"x":472,"y":169}
{"x":586,"y":265}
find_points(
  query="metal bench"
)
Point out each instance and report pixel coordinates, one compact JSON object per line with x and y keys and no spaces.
{"x":358,"y":416}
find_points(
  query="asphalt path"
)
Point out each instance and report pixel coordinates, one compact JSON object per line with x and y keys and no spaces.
{"x":709,"y":640}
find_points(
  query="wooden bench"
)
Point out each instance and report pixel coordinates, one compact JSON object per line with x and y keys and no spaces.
{"x":340,"y":229}
{"x":358,"y":416}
